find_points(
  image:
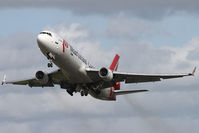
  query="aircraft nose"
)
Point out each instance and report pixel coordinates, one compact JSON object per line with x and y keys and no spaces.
{"x":40,"y":40}
{"x":44,"y":43}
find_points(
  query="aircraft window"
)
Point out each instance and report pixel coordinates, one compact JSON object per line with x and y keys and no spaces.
{"x":46,"y":33}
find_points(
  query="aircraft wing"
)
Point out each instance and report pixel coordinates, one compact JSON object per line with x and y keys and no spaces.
{"x":135,"y":77}
{"x":54,"y":78}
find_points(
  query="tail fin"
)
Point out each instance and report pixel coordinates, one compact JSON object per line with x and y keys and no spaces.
{"x":114,"y":67}
{"x":115,"y":63}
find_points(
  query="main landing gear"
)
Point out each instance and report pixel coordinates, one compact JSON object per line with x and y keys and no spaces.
{"x":70,"y":91}
{"x":84,"y":93}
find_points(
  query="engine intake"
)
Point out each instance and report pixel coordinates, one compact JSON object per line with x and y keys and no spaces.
{"x":42,"y":77}
{"x":106,"y":74}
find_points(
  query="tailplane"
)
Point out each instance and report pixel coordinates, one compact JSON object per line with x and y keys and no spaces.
{"x":128,"y":92}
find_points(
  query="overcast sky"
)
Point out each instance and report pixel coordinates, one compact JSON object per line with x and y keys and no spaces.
{"x":151,"y":36}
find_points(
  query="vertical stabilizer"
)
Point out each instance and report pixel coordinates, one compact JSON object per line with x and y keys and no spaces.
{"x":115,"y":63}
{"x":114,"y":67}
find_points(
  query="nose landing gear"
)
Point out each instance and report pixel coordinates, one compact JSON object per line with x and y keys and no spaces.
{"x":50,"y":64}
{"x":50,"y":57}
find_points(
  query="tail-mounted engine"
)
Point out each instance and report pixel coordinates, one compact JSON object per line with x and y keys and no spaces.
{"x":106,"y":74}
{"x":42,"y":77}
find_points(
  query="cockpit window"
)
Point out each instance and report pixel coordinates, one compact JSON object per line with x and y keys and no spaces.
{"x":46,"y":33}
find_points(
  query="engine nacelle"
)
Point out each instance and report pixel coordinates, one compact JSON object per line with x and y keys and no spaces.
{"x":106,"y":74}
{"x":42,"y":77}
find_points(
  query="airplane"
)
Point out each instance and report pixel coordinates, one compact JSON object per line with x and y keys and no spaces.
{"x":76,"y":74}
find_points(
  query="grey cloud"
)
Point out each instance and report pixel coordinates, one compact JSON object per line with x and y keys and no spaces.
{"x":142,"y":8}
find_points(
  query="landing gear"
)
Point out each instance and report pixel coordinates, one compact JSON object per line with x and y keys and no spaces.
{"x":70,"y":91}
{"x":50,"y":57}
{"x":50,"y":64}
{"x":84,"y":93}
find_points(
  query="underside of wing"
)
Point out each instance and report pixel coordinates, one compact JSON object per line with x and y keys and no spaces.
{"x":138,"y":78}
{"x":134,"y":77}
{"x":55,"y":77}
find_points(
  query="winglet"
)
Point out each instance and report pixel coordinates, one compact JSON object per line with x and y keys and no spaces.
{"x":193,"y":72}
{"x":4,"y":80}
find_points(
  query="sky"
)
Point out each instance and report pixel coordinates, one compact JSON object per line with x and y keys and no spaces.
{"x":151,"y":36}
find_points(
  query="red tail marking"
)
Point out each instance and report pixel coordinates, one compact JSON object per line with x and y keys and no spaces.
{"x":114,"y":64}
{"x":65,"y":44}
{"x":114,"y":67}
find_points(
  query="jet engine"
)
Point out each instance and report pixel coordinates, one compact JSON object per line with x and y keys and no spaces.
{"x":106,"y":74}
{"x":42,"y":77}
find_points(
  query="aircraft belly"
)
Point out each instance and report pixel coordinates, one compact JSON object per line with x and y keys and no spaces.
{"x":105,"y":94}
{"x":72,"y":68}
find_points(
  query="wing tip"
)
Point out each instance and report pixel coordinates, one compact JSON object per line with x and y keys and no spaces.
{"x":193,"y":72}
{"x":4,"y":80}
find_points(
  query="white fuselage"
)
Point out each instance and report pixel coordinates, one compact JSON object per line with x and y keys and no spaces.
{"x":65,"y":57}
{"x":71,"y":63}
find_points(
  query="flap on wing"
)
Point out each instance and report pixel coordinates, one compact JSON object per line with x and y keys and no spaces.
{"x":139,"y":79}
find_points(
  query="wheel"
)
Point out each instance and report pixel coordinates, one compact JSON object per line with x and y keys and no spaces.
{"x":82,"y":93}
{"x":86,"y":94}
{"x":70,"y":92}
{"x":50,"y":64}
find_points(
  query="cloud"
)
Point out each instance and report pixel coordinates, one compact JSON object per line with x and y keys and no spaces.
{"x":171,"y":102}
{"x":122,"y":27}
{"x":143,"y":8}
{"x":23,"y":42}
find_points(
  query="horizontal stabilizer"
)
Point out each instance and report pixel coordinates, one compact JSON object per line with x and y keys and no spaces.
{"x":128,"y":92}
